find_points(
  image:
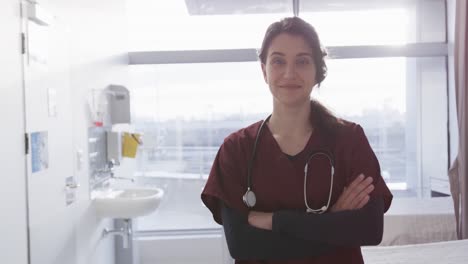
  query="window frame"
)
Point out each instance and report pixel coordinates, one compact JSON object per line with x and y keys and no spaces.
{"x":417,"y":50}
{"x":420,"y":50}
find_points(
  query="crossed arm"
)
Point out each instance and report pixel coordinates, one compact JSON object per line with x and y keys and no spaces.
{"x":354,"y":220}
{"x":248,"y":242}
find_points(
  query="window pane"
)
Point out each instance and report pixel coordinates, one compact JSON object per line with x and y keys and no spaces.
{"x":210,"y":90}
{"x":186,"y":110}
{"x":367,"y":27}
{"x":370,"y":22}
{"x":401,"y":104}
{"x":169,"y":25}
{"x":202,"y":25}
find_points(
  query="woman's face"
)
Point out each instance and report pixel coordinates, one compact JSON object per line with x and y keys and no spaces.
{"x":289,"y":69}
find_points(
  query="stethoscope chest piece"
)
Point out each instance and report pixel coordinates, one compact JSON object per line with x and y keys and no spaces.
{"x":249,"y":198}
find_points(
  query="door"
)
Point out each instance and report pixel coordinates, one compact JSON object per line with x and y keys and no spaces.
{"x":50,"y":154}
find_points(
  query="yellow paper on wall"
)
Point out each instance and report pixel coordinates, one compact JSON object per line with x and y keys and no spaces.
{"x":130,"y":144}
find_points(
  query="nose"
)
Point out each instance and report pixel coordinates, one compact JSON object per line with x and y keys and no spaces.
{"x":289,"y":71}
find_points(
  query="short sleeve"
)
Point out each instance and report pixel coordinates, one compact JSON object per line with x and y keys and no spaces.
{"x":363,"y":160}
{"x":224,"y":183}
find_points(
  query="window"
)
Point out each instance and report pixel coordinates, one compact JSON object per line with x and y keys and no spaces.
{"x":225,"y":24}
{"x":368,"y":22}
{"x":402,"y":105}
{"x":387,"y":72}
{"x":178,"y":25}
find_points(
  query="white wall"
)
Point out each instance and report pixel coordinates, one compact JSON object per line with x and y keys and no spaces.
{"x":99,"y":58}
{"x":13,"y":242}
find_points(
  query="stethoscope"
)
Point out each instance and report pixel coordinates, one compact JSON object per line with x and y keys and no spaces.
{"x":249,"y":197}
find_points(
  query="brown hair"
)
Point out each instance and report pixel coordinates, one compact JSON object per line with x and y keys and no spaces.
{"x":324,"y":119}
{"x":297,"y":26}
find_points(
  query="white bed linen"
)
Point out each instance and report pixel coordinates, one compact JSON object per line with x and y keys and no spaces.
{"x":416,"y":221}
{"x":447,"y":252}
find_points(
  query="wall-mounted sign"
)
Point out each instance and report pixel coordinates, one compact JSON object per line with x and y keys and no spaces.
{"x":39,"y":151}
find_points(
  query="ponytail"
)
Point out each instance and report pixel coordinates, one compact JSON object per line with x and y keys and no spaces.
{"x":324,"y":119}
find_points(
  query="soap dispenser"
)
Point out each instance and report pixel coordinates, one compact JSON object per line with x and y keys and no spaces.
{"x":119,"y":104}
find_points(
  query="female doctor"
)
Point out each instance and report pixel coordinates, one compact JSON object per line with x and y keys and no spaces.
{"x":301,"y":186}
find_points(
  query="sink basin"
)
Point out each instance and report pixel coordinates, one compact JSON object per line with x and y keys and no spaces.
{"x":127,"y":203}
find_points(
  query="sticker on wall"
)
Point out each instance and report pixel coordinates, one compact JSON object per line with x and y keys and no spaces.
{"x":39,"y":151}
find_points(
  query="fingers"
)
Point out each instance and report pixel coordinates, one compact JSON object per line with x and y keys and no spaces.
{"x":356,"y":195}
{"x":363,"y":202}
{"x":340,"y":204}
{"x":356,"y":181}
{"x":357,"y":190}
{"x":362,"y":198}
{"x":260,"y":220}
{"x":354,"y":189}
{"x":359,"y":184}
{"x":359,"y":187}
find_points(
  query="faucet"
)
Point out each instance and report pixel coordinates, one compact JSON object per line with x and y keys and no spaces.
{"x":111,"y":164}
{"x":110,"y":168}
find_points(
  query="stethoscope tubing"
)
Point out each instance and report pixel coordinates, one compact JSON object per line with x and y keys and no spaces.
{"x":249,"y":197}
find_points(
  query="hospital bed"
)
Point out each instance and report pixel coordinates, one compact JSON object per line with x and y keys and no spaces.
{"x":418,"y":221}
{"x":447,"y":252}
{"x":419,"y":231}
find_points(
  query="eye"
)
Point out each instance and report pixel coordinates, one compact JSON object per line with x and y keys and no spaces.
{"x":277,"y":61}
{"x":302,"y":61}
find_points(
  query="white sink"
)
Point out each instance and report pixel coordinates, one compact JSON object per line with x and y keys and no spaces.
{"x":127,"y":203}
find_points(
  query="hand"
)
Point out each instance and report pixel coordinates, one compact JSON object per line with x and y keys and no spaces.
{"x":355,"y":196}
{"x":261,"y":220}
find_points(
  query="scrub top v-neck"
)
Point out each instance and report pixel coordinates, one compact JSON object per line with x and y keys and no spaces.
{"x":278,"y":181}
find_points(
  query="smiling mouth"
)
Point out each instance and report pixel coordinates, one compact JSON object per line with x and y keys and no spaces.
{"x":290,"y":86}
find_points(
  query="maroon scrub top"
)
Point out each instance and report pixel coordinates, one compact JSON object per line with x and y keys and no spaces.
{"x":278,"y":181}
